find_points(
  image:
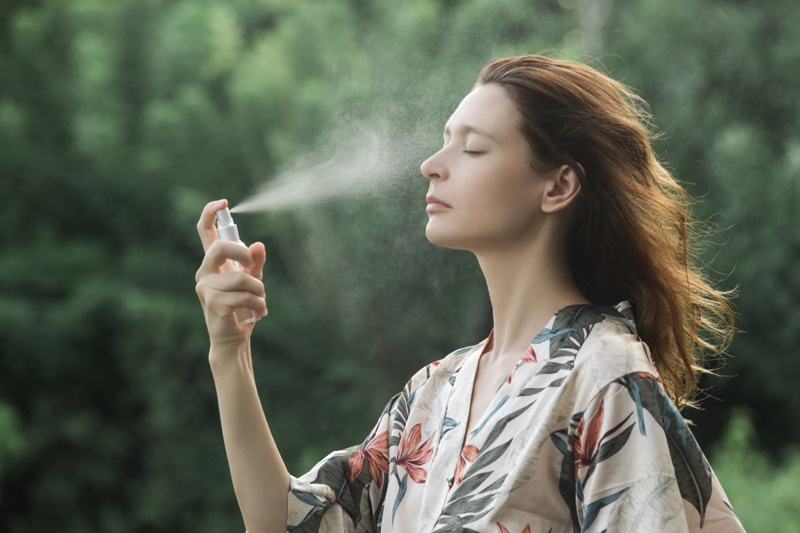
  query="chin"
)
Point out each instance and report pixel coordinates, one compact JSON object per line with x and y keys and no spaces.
{"x":435,"y":235}
{"x":444,"y":238}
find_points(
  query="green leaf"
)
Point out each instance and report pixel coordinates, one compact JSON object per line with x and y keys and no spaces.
{"x":485,"y":458}
{"x":401,"y":492}
{"x":532,"y":391}
{"x":608,"y":449}
{"x":469,"y":485}
{"x":590,"y":514}
{"x":691,"y":470}
{"x":501,"y":424}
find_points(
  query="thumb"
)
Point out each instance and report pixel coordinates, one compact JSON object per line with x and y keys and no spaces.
{"x":259,"y":253}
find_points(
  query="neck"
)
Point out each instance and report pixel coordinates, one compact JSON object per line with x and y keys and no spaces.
{"x":527,"y":285}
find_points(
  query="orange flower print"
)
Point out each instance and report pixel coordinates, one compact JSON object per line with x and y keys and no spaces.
{"x":412,"y":456}
{"x":648,"y":376}
{"x":469,"y":453}
{"x":504,"y":529}
{"x":528,"y":357}
{"x":375,"y":454}
{"x":587,"y":440}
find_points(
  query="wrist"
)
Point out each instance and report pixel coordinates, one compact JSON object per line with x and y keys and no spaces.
{"x":225,"y":356}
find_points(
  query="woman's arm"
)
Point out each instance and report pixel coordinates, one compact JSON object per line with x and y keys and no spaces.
{"x":260,"y":479}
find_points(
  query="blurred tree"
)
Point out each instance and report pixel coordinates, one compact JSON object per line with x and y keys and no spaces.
{"x":719,"y":78}
{"x":119,"y":120}
{"x":763,"y":493}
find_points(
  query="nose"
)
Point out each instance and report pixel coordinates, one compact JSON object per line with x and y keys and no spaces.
{"x":432,"y":167}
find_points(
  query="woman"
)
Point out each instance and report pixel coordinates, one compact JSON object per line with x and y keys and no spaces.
{"x":564,"y":418}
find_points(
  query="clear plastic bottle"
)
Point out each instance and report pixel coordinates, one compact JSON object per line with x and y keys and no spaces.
{"x":227,"y":231}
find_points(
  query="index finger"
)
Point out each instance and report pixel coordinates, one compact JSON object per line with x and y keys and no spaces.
{"x":206,"y":225}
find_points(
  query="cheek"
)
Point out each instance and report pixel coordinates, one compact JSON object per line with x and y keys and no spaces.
{"x":499,"y":210}
{"x":513,"y":190}
{"x":514,"y":202}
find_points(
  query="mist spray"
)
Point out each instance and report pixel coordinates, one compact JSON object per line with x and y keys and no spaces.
{"x":227,"y":231}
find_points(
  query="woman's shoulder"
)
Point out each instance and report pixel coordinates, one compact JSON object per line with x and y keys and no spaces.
{"x":613,"y":348}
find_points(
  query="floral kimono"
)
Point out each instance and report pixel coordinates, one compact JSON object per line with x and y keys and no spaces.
{"x":579,"y":437}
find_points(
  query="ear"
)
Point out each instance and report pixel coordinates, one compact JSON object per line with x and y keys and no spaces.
{"x":563,"y":186}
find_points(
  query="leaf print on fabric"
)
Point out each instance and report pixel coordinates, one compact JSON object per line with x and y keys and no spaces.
{"x":528,"y":357}
{"x":488,"y":418}
{"x":413,"y":456}
{"x":501,"y":425}
{"x":620,"y":318}
{"x":692,"y":472}
{"x":576,"y":322}
{"x":468,"y":454}
{"x":588,"y":446}
{"x":566,"y":478}
{"x":332,"y":474}
{"x":465,"y":511}
{"x":633,"y":390}
{"x":503,"y":529}
{"x":647,"y":376}
{"x":653,"y":503}
{"x":401,"y":492}
{"x":309,"y":499}
{"x":532,"y":391}
{"x":553,"y":367}
{"x":399,"y":414}
{"x":447,"y":425}
{"x":451,"y":524}
{"x":547,"y":334}
{"x":593,"y":509}
{"x":468,"y":502}
{"x":376,"y":454}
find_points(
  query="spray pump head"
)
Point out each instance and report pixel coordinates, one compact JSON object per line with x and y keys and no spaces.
{"x":226,"y":229}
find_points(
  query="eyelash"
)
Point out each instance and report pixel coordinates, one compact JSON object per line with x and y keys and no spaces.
{"x":472,"y":152}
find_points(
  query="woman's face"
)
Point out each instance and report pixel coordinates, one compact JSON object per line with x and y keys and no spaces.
{"x":483,"y":192}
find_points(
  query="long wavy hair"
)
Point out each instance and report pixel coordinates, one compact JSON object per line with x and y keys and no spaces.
{"x":632,"y":234}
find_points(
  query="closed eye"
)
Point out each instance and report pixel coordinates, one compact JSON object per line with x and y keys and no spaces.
{"x":472,"y":152}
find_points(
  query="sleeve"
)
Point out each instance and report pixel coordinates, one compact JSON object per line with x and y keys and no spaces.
{"x":344,"y":492}
{"x":637,"y":466}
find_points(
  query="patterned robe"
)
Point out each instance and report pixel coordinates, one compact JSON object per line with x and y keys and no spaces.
{"x":579,"y":437}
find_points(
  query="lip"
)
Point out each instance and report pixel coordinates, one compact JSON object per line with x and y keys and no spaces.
{"x":435,"y":204}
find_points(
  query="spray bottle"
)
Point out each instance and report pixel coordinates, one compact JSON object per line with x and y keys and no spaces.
{"x":227,"y":231}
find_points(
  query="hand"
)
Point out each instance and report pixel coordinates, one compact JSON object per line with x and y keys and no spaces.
{"x":221,"y":288}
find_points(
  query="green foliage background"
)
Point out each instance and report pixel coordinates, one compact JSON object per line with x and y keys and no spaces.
{"x":120,"y":120}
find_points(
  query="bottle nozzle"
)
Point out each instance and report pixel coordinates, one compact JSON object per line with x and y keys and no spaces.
{"x":226,"y":229}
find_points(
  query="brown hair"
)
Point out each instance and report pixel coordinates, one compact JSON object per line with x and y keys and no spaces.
{"x":632,"y":232}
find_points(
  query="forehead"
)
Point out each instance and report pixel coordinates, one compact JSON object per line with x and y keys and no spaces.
{"x":487,"y":108}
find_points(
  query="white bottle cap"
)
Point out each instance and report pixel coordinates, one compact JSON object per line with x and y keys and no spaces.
{"x":226,"y":229}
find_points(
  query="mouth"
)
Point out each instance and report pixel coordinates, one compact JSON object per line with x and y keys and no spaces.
{"x":435,"y":204}
{"x":433,"y":201}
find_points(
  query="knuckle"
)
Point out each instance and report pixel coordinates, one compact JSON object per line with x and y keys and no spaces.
{"x":212,"y":302}
{"x":214,"y":247}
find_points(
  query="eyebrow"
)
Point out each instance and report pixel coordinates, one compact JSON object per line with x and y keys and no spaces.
{"x":467,"y":129}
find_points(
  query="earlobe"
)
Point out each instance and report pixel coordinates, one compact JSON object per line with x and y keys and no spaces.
{"x":563,"y":188}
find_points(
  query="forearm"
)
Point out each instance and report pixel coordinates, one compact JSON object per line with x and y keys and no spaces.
{"x":260,"y":479}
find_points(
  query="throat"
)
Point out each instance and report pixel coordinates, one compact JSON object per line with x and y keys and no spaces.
{"x":492,"y":371}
